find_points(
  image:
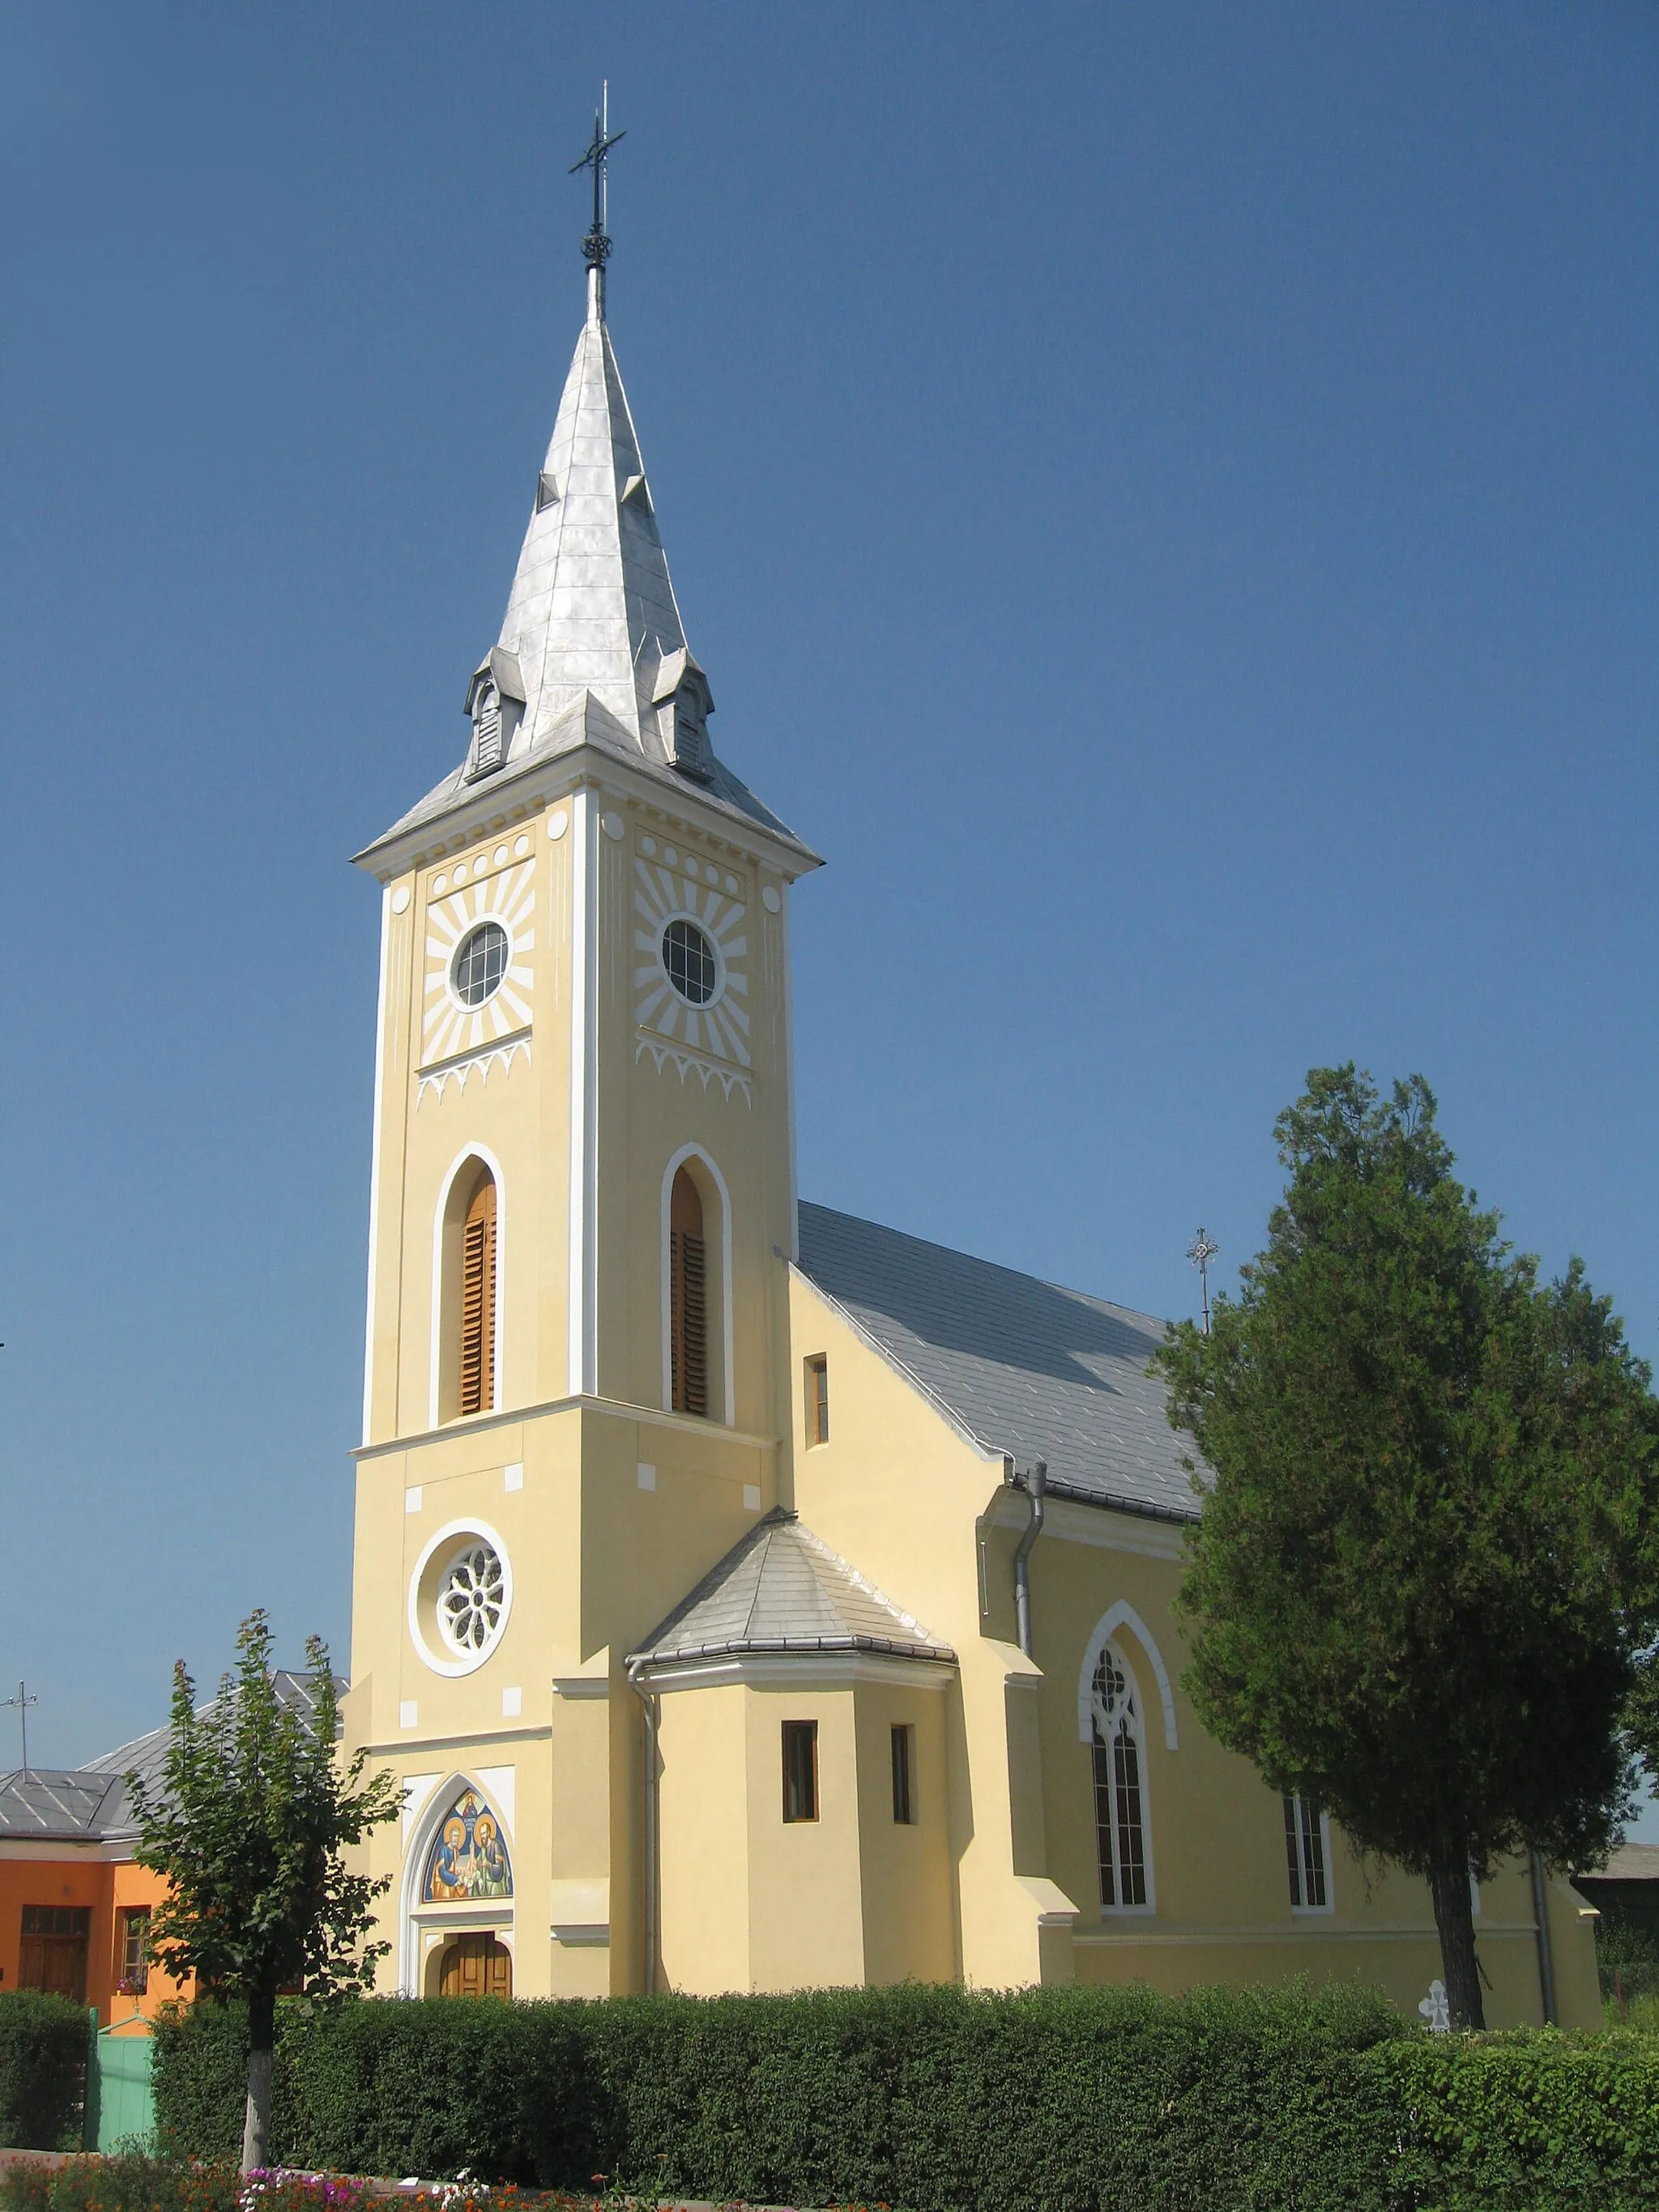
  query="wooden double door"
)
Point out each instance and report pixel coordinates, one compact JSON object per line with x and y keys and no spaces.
{"x":475,"y":1966}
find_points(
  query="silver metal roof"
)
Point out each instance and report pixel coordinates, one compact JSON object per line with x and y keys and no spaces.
{"x":90,"y":1804}
{"x":1025,"y":1367}
{"x":782,"y":1590}
{"x":591,"y":622}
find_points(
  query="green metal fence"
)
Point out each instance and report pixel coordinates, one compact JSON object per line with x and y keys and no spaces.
{"x":120,"y":2105}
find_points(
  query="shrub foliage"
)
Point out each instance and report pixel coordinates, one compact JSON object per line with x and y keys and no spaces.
{"x":43,"y":2066}
{"x":943,"y":2101}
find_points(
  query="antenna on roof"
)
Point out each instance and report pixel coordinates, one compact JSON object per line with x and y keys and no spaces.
{"x":23,"y":1700}
{"x":1200,"y":1252}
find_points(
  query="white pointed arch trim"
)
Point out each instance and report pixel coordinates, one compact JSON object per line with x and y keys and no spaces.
{"x":411,"y":1951}
{"x":728,"y":1362}
{"x":485,"y":1158}
{"x":1123,"y":1615}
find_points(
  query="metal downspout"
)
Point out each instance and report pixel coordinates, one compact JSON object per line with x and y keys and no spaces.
{"x":1035,"y":1482}
{"x":649,"y":1703}
{"x":1540,"y":1904}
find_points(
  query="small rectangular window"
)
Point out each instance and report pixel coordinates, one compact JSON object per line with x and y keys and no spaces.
{"x":904,"y":1769}
{"x":801,"y":1770}
{"x":135,"y":1949}
{"x":818,"y":1401}
{"x":1305,"y":1854}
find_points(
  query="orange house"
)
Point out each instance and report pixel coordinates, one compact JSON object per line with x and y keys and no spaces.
{"x":74,"y":1908}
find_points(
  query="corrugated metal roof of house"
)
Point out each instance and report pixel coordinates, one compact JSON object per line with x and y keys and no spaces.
{"x":1022,"y":1367}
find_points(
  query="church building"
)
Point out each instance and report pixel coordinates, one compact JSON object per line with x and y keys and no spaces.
{"x":749,"y":1596}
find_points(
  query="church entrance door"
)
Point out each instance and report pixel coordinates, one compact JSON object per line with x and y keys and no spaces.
{"x":475,"y":1966}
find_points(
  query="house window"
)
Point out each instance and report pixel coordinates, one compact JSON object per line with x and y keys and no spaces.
{"x":135,"y":1951}
{"x":477,"y":1377}
{"x":818,"y":1401}
{"x":688,"y":1299}
{"x":1119,"y":1750}
{"x":52,"y":1956}
{"x":801,"y":1770}
{"x":1304,"y":1855}
{"x":904,"y":1771}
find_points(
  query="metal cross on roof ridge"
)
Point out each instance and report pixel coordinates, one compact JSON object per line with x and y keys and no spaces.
{"x":595,"y":246}
{"x":1200,"y":1252}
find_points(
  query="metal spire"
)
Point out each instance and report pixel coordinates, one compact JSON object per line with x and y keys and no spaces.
{"x":595,"y":246}
{"x":22,"y":1701}
{"x":1200,"y":1252}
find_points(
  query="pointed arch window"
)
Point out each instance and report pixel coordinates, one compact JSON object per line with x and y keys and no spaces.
{"x":1119,"y":1748}
{"x":477,"y":1331}
{"x":688,"y":1298}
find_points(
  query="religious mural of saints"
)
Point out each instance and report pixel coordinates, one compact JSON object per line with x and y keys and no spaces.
{"x":468,"y":1859}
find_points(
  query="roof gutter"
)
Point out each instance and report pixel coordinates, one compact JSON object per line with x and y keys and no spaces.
{"x":1036,"y":1483}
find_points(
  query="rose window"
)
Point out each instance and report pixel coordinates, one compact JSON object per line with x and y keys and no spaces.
{"x":471,"y":1600}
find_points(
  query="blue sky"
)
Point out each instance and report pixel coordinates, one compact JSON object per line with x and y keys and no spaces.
{"x":1164,"y":496}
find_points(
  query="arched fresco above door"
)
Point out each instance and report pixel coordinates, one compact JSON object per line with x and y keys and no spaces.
{"x":468,"y":1858}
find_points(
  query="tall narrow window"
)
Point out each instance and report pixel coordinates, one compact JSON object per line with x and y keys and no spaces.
{"x":801,"y":1770}
{"x":1120,"y":1810}
{"x":477,"y":1391}
{"x":135,"y":1951}
{"x":818,"y":1401}
{"x":904,"y":1771}
{"x":1305,"y":1853}
{"x":688,"y":1298}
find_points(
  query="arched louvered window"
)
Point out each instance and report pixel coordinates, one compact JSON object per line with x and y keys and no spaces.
{"x":1119,"y":1755}
{"x":688,"y":1298}
{"x":477,"y":1343}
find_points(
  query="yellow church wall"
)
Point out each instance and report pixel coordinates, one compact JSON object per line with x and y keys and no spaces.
{"x":897,"y":1490}
{"x":906,"y":1877}
{"x":806,"y":1920}
{"x":704,"y":1881}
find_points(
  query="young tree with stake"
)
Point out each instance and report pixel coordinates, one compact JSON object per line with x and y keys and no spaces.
{"x":1428,"y":1562}
{"x":248,"y":1822}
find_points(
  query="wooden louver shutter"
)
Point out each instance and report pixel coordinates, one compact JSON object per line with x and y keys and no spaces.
{"x":478,"y":1300}
{"x":688,"y":1299}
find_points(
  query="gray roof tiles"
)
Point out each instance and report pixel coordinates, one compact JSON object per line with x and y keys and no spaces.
{"x":781,"y":1590}
{"x":90,"y":1804}
{"x":1024,"y":1367}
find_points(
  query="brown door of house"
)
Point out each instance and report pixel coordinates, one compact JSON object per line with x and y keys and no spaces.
{"x":475,"y":1966}
{"x":53,"y":1954}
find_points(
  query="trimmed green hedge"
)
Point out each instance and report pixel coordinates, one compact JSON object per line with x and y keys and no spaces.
{"x":43,"y":2071}
{"x":1043,"y":2100}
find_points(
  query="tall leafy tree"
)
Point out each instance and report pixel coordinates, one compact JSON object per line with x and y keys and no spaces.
{"x":250,"y":1821}
{"x":1426,"y":1569}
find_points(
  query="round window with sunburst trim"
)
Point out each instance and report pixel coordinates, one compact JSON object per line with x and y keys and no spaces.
{"x":691,"y":984}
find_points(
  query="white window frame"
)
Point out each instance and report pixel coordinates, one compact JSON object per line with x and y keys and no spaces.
{"x":1304,"y":1911}
{"x":727,"y":1416}
{"x":1099,"y":1647}
{"x":485,"y":1158}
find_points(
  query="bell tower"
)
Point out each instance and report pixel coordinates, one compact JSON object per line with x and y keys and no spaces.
{"x":575,"y":1396}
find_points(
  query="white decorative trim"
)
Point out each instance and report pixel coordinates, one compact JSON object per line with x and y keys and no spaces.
{"x":728,"y":1359}
{"x":616,"y":1409}
{"x":485,"y":1157}
{"x":800,"y":1670}
{"x":457,"y":1534}
{"x":417,"y":1789}
{"x":581,"y":1685}
{"x":690,"y":1063}
{"x":1122,"y":1615}
{"x":457,"y":1070}
{"x":375,"y":1163}
{"x":786,"y":992}
{"x":582,"y":1290}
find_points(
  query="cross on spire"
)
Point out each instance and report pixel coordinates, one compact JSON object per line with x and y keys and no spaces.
{"x":1200,"y":1252}
{"x":595,"y":246}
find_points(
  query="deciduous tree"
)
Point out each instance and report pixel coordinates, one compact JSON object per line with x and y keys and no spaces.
{"x":249,"y":1822}
{"x":1425,"y":1569}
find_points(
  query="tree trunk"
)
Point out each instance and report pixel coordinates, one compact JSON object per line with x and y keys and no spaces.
{"x":1454,"y":1917}
{"x":261,"y":2037}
